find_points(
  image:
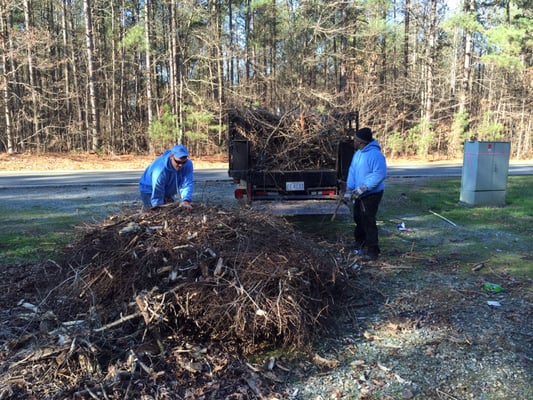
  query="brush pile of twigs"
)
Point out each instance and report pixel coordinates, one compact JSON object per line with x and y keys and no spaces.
{"x":292,"y":141}
{"x":150,"y":300}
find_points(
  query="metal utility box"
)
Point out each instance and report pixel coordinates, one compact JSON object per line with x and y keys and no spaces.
{"x":484,"y":174}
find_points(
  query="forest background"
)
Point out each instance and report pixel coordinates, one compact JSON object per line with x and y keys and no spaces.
{"x":135,"y":76}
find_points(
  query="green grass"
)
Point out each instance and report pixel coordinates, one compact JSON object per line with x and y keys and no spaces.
{"x":37,"y":224}
{"x":36,"y":232}
{"x":442,"y":195}
{"x":497,"y":236}
{"x":22,"y":248}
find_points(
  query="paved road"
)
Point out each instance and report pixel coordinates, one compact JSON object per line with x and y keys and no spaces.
{"x":91,"y":178}
{"x":131,"y":177}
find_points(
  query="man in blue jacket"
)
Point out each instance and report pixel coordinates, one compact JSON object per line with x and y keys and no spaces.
{"x":364,"y":187}
{"x":168,"y":175}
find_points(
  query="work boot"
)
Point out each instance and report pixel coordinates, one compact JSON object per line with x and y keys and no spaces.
{"x":370,"y":257}
{"x":371,"y":253}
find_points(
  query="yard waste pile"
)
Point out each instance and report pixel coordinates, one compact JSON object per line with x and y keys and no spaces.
{"x":296,"y":141}
{"x":165,"y":303}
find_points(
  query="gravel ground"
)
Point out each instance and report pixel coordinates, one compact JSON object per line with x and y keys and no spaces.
{"x":427,"y":336}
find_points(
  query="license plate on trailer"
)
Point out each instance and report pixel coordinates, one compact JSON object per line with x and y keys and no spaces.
{"x":294,"y":186}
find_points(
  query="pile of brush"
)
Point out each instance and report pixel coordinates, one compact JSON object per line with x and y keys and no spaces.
{"x":148,"y":294}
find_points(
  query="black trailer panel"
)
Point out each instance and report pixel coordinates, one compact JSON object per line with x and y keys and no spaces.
{"x":239,"y":159}
{"x":279,"y":185}
{"x":290,"y":181}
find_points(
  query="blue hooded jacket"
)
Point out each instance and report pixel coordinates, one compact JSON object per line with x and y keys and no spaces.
{"x":163,"y":181}
{"x":368,"y":168}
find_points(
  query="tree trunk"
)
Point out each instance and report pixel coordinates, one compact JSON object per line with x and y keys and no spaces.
{"x":406,"y":36}
{"x":469,"y":6}
{"x":430,"y":56}
{"x":4,"y":25}
{"x":66,"y":72}
{"x":232,"y":78}
{"x":148,"y":72}
{"x":220,"y":74}
{"x":176,"y":87}
{"x":122,"y":101}
{"x":343,"y":69}
{"x":272,"y":53}
{"x":250,"y":54}
{"x":91,"y":72}
{"x":430,"y":65}
{"x":78,"y":126}
{"x":383,"y":42}
{"x":35,"y":128}
{"x":172,"y":55}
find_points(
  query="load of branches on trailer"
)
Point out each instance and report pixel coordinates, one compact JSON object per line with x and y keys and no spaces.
{"x":293,"y":141}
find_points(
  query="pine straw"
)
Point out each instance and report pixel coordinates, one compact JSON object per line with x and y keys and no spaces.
{"x":192,"y":287}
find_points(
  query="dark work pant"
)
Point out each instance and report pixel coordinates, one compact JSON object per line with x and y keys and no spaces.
{"x":364,"y":216}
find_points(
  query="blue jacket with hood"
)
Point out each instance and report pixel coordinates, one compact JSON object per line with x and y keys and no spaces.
{"x":163,"y":181}
{"x":368,"y":168}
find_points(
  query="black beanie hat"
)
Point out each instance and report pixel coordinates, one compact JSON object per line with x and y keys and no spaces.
{"x":363,"y":135}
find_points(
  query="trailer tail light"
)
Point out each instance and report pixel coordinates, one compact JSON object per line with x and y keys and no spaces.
{"x":239,"y":194}
{"x":330,"y":192}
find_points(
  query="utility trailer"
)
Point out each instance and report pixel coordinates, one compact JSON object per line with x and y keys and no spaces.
{"x":255,"y":182}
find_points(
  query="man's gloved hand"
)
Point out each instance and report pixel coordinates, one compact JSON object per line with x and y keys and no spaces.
{"x":186,"y":205}
{"x":358,"y":191}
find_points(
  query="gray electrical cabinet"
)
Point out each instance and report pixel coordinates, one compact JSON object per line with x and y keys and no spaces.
{"x":484,"y":174}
